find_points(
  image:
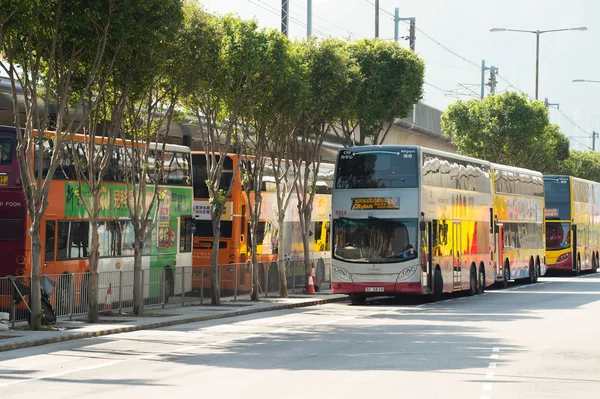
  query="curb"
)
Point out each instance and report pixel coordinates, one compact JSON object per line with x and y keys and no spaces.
{"x":160,"y":324}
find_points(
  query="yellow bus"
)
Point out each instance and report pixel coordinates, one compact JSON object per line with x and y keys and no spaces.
{"x":572,"y":224}
{"x":519,"y":226}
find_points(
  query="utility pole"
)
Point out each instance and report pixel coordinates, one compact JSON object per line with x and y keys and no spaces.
{"x":492,"y":82}
{"x":308,"y":18}
{"x":411,"y":35}
{"x":285,"y":8}
{"x":594,"y":135}
{"x":549,"y":104}
{"x":376,"y":19}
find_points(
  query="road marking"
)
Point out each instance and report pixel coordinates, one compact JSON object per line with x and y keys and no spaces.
{"x":492,"y":365}
{"x":487,"y":387}
{"x":496,"y":349}
{"x":489,"y":376}
{"x":494,"y":356}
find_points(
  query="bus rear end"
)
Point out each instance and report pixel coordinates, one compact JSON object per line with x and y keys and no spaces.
{"x":375,"y":217}
{"x":13,"y":210}
{"x":559,"y":248}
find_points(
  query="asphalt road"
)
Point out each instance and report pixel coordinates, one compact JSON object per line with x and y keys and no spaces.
{"x":530,"y":341}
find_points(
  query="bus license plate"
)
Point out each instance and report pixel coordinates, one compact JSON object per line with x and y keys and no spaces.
{"x":3,"y":180}
{"x":373,"y":289}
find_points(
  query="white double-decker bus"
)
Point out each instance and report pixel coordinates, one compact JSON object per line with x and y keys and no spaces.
{"x":411,"y":220}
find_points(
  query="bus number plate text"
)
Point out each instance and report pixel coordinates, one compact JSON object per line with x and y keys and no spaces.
{"x":373,"y":289}
{"x":3,"y":180}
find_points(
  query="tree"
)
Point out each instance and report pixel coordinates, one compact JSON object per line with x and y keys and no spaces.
{"x":582,"y":164}
{"x":325,"y":68}
{"x":387,"y":82}
{"x":507,"y":129}
{"x":223,"y":65}
{"x":259,"y":118}
{"x":43,"y":46}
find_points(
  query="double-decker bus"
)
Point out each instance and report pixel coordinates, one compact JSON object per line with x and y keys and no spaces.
{"x":572,"y":223}
{"x":413,"y":220}
{"x":235,"y":241}
{"x":519,"y":224}
{"x":65,"y":229}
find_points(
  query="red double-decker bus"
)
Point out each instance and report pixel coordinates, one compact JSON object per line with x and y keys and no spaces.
{"x":13,"y":207}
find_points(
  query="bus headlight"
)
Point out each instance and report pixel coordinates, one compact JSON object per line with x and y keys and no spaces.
{"x":342,"y":274}
{"x":407,"y":272}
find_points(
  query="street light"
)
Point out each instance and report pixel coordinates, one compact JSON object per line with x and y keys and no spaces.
{"x":537,"y":34}
{"x":585,"y":81}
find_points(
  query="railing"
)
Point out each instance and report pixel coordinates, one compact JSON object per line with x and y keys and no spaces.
{"x":69,"y":294}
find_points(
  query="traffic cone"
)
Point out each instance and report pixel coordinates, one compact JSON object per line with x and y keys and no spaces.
{"x":107,"y":305}
{"x":311,"y":284}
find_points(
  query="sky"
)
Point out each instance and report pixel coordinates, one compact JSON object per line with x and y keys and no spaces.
{"x":453,"y":38}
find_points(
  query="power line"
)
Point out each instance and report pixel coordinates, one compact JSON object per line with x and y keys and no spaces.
{"x":577,"y":126}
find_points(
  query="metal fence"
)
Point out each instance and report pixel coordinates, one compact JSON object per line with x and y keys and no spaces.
{"x":69,"y":295}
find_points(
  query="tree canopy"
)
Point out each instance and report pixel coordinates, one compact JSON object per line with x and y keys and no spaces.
{"x":507,"y":129}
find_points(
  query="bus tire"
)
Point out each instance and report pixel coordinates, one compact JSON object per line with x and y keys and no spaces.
{"x":438,"y":284}
{"x":506,"y":275}
{"x":472,"y":281}
{"x":481,"y":280}
{"x":531,"y":279}
{"x":577,"y":267}
{"x":594,"y":263}
{"x":357,"y":299}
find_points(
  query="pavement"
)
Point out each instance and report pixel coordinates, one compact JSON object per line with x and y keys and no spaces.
{"x":190,"y":311}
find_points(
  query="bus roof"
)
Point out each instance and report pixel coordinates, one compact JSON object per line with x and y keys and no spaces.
{"x":573,"y":178}
{"x":516,"y":170}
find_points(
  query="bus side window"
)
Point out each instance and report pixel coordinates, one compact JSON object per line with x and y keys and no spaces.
{"x":50,"y":234}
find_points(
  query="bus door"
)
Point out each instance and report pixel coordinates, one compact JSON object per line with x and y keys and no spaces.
{"x":456,"y":254}
{"x":426,"y":257}
{"x":499,"y":246}
{"x":429,"y":255}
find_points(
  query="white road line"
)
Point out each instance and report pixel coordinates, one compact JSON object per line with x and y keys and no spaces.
{"x":496,"y":349}
{"x":487,"y":387}
{"x":494,"y":356}
{"x":489,"y":376}
{"x":493,"y":365}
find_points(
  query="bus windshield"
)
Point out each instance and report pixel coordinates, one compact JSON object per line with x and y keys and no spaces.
{"x":377,"y":169}
{"x":6,"y":150}
{"x":558,"y":235}
{"x":374,"y":240}
{"x":558,"y":198}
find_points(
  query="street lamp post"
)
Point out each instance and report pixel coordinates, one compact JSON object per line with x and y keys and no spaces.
{"x":585,"y":81}
{"x":537,"y":34}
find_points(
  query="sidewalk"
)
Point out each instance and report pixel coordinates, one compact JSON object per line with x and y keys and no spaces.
{"x":157,"y":317}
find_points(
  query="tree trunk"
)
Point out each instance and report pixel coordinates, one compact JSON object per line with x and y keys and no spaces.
{"x":36,"y":263}
{"x":138,"y":288}
{"x":215,"y":291}
{"x":304,"y":224}
{"x":93,"y":280}
{"x":283,"y":291}
{"x":254,"y":295}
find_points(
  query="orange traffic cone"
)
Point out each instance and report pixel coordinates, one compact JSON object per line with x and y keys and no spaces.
{"x":107,"y":305}
{"x":311,"y":284}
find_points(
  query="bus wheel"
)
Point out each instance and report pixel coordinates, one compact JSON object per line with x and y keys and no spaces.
{"x":506,"y":275}
{"x":357,"y":299}
{"x":577,"y":268}
{"x":481,"y":280}
{"x":594,"y":264}
{"x":438,"y":284}
{"x":473,"y":282}
{"x":531,"y":278}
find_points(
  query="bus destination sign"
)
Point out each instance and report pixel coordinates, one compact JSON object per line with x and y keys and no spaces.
{"x":362,"y":204}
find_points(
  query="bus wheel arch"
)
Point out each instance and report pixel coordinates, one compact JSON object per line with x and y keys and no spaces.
{"x":357,"y":299}
{"x":481,"y":279}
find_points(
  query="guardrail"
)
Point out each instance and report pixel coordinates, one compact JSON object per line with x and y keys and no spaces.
{"x":69,"y":297}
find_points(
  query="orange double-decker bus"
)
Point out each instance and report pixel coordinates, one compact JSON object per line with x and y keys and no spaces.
{"x":235,"y":241}
{"x":65,"y":228}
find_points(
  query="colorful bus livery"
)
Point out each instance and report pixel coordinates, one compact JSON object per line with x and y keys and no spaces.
{"x":65,"y":229}
{"x":412,"y":220}
{"x":572,"y":217}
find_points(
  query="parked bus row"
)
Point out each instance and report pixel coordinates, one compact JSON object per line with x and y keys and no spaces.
{"x":413,"y":220}
{"x":183,"y":232}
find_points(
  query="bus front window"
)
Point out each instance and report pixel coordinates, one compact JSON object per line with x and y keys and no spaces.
{"x":375,"y":240}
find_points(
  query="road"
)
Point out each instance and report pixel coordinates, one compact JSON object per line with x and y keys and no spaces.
{"x":530,"y":341}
